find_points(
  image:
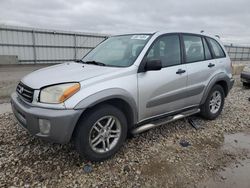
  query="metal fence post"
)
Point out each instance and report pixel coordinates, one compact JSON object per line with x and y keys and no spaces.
{"x":235,"y":55}
{"x":75,"y":47}
{"x":248,"y":54}
{"x":242,"y":53}
{"x":34,"y":46}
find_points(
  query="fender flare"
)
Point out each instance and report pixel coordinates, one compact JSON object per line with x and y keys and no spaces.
{"x":213,"y":81}
{"x":107,"y":94}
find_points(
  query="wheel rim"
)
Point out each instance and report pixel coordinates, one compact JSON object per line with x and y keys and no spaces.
{"x":105,"y":134}
{"x":215,"y":102}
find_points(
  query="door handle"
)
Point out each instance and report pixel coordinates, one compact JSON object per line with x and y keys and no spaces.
{"x":180,"y":71}
{"x":211,"y":65}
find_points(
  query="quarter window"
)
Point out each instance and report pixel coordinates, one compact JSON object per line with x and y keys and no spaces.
{"x":166,"y":49}
{"x":207,"y":51}
{"x":193,"y":48}
{"x":217,"y":49}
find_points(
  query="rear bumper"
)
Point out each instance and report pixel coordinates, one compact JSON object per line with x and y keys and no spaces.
{"x":62,"y":122}
{"x":245,"y":77}
{"x":231,"y":83}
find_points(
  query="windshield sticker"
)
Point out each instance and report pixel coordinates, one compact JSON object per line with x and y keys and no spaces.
{"x":140,"y":37}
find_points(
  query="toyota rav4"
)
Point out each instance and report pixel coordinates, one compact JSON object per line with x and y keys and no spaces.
{"x":126,"y":85}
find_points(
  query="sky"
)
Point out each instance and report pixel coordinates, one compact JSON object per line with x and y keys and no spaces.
{"x":230,"y":19}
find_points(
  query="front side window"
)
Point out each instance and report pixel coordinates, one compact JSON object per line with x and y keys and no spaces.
{"x":166,"y":49}
{"x":217,"y":49}
{"x":193,"y":48}
{"x":120,"y":51}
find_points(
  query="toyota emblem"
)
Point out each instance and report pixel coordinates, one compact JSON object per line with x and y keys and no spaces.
{"x":21,"y":90}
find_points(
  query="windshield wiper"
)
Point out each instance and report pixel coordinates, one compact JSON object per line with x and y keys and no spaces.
{"x":79,"y":61}
{"x":95,"y":63}
{"x":90,"y":62}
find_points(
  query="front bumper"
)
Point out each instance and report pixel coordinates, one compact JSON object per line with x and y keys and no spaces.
{"x":62,"y":122}
{"x":245,"y":77}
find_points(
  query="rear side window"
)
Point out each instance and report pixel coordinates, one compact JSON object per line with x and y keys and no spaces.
{"x":217,"y":49}
{"x":166,"y":49}
{"x":193,"y":48}
{"x":207,"y":51}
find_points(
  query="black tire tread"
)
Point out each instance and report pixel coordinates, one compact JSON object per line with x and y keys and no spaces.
{"x":205,"y":112}
{"x":84,"y":126}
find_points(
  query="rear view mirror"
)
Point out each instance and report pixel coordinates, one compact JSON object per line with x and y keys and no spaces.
{"x":152,"y":65}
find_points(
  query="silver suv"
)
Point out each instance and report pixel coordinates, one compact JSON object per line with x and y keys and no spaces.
{"x":126,"y":85}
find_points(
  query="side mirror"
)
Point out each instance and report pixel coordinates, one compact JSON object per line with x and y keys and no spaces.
{"x":152,"y":65}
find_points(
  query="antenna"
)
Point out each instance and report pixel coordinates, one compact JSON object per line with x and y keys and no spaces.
{"x":217,"y":36}
{"x":202,"y":31}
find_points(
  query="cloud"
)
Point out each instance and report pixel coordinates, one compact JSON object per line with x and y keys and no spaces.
{"x":227,"y":18}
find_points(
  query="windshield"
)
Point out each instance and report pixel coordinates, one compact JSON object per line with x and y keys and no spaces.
{"x":119,"y":51}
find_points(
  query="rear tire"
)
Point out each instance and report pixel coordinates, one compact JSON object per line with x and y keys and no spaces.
{"x":247,"y":85}
{"x":101,"y":133}
{"x":214,"y":103}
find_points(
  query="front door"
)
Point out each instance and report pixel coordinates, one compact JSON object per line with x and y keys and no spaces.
{"x":163,"y":91}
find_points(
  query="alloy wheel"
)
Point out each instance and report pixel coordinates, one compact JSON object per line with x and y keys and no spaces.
{"x":215,"y":102}
{"x":105,"y":134}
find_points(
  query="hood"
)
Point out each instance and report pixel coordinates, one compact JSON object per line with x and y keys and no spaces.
{"x":66,"y":72}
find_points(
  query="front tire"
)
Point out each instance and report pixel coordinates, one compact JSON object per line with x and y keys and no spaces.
{"x":214,"y":103}
{"x":101,"y":133}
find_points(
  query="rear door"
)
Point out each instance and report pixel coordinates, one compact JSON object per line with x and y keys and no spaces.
{"x":200,"y":66}
{"x":162,"y":91}
{"x":218,"y":54}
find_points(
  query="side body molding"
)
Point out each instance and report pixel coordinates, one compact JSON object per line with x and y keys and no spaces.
{"x":216,"y":78}
{"x":107,"y":94}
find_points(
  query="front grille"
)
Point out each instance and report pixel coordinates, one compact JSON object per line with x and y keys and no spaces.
{"x":25,"y":92}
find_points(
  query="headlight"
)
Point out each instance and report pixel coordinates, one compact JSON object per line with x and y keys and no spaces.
{"x":247,"y":68}
{"x":58,"y":93}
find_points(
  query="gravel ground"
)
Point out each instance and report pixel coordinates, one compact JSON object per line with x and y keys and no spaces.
{"x":152,"y":159}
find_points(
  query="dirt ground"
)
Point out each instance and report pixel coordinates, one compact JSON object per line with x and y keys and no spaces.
{"x":152,"y":159}
{"x":236,"y":174}
{"x":10,"y":75}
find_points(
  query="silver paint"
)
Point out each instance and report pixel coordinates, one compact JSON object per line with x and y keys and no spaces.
{"x":169,"y":91}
